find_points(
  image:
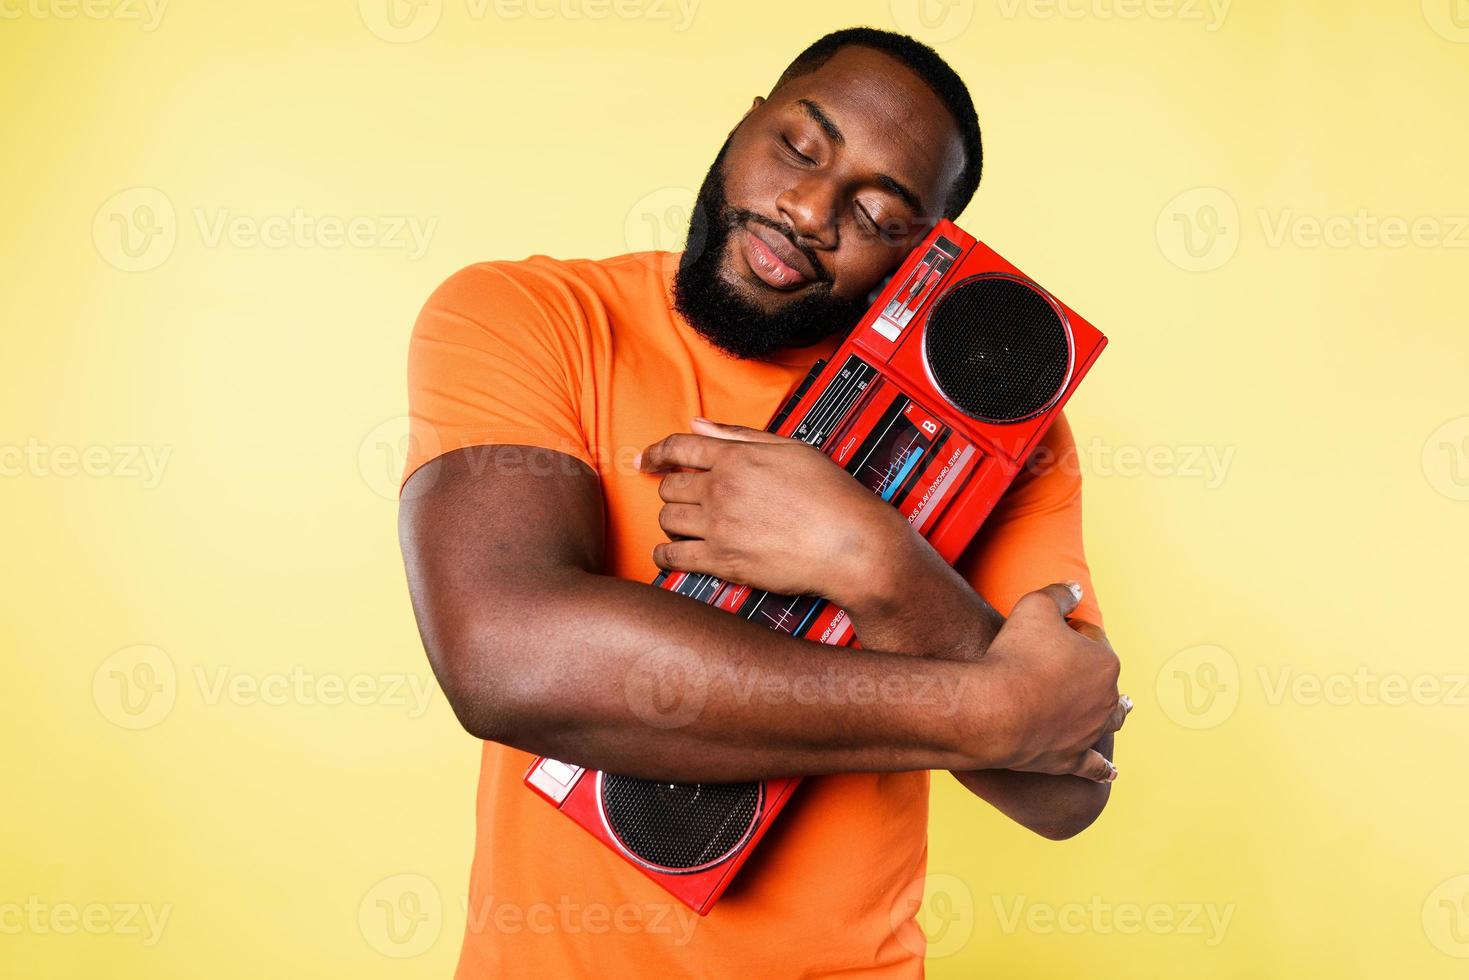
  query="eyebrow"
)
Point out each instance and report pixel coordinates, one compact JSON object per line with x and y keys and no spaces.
{"x":834,"y":133}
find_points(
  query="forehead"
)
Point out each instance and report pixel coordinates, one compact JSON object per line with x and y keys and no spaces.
{"x":887,"y":114}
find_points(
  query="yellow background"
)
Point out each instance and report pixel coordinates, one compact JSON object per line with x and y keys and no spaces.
{"x":172,"y":637}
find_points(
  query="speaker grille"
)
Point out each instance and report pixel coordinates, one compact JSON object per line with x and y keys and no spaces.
{"x":679,"y":826}
{"x":998,"y":349}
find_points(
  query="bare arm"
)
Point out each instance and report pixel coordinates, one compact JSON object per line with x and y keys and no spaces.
{"x":952,"y":621}
{"x":536,"y":649}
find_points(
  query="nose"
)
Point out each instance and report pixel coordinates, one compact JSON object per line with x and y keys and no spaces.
{"x":809,"y":207}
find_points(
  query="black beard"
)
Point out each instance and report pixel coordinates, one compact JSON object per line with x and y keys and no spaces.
{"x":718,"y":311}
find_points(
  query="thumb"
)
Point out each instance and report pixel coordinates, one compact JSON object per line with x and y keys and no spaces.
{"x":1061,"y":596}
{"x":737,"y":433}
{"x":1094,"y":766}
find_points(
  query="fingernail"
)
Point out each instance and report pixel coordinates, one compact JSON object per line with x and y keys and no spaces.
{"x":637,"y":461}
{"x":1075,"y":588}
{"x":1112,"y":776}
{"x":700,"y":418}
{"x":1126,"y":702}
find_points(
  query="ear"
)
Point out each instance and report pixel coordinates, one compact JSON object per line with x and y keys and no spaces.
{"x":759,"y":101}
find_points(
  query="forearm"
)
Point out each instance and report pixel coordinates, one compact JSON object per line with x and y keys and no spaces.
{"x":935,"y":613}
{"x":919,"y":605}
{"x":621,"y":676}
{"x":1056,"y":807}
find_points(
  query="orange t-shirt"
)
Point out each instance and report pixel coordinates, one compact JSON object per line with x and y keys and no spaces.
{"x":589,"y":358}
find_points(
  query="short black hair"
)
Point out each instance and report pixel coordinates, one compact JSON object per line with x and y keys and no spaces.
{"x":934,"y":70}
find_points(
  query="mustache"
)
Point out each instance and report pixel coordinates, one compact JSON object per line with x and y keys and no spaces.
{"x":739,"y":216}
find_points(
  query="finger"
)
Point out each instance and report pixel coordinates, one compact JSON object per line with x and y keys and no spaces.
{"x":1094,"y":766}
{"x":738,"y":433}
{"x":684,"y":488}
{"x":1118,"y":715}
{"x":683,"y":521}
{"x":1087,"y":630}
{"x":1057,"y":598}
{"x":682,"y":556}
{"x":679,"y":449}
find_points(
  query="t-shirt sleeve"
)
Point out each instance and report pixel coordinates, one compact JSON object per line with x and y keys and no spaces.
{"x":1033,"y":537}
{"x":496,"y":359}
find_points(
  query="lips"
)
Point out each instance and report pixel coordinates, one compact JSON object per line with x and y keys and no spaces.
{"x":773,"y":258}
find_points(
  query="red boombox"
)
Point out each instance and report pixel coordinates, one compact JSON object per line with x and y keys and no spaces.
{"x":933,"y":402}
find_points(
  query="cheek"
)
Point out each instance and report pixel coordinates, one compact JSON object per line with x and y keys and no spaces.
{"x":864,"y":265}
{"x":751,"y":180}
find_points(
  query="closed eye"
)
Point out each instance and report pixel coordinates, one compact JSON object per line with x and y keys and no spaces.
{"x":795,"y":152}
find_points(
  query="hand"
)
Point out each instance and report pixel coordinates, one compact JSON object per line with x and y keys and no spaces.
{"x":1061,"y":685}
{"x":768,"y":512}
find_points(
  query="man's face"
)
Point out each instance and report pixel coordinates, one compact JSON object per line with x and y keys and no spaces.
{"x":820,"y":192}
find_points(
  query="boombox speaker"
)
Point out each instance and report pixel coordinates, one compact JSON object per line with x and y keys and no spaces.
{"x":934,"y":402}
